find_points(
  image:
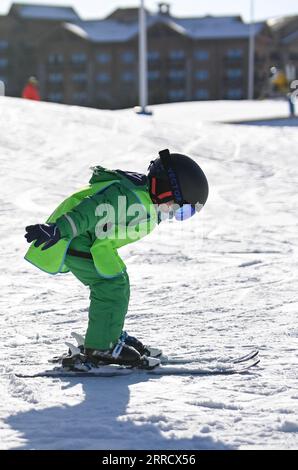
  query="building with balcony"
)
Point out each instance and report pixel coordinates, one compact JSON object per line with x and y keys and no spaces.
{"x":95,"y":63}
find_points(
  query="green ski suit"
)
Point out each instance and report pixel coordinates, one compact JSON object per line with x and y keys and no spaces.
{"x":85,"y":230}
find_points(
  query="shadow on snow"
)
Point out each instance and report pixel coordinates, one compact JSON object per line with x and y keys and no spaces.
{"x":101,"y":421}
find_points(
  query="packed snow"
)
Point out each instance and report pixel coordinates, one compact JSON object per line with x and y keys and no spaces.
{"x":220,"y":284}
{"x":220,"y":111}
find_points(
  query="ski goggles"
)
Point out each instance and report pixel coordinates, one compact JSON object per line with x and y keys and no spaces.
{"x":185,"y":212}
{"x":182,"y":213}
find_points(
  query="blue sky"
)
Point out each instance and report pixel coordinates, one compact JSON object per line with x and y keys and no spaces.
{"x":100,"y":8}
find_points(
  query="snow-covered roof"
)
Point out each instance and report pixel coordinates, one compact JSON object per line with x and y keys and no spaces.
{"x":217,"y":27}
{"x":103,"y":30}
{"x":195,"y":28}
{"x":280,"y":22}
{"x":45,"y":12}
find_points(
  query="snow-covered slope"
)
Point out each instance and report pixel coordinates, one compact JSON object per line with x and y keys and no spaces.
{"x":223,"y":111}
{"x":221,"y":283}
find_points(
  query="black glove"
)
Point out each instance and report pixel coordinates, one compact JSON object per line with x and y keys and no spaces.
{"x":43,"y":233}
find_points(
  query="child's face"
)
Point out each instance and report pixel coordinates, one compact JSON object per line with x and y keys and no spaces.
{"x":166,"y":206}
{"x":165,"y":210}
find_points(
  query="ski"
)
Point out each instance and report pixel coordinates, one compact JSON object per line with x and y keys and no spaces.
{"x":183,"y":361}
{"x":247,"y":357}
{"x":165,"y":360}
{"x":173,"y":361}
{"x":162,"y":370}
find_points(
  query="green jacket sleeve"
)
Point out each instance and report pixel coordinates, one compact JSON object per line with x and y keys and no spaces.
{"x":80,"y":219}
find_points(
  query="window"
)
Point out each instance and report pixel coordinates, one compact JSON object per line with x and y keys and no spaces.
{"x":128,"y":57}
{"x":234,"y":53}
{"x":78,"y":58}
{"x":55,"y":58}
{"x":55,"y":77}
{"x":56,"y":97}
{"x":275,"y":55}
{"x":103,"y":77}
{"x":176,"y":94}
{"x":201,"y":55}
{"x":234,"y":73}
{"x":176,"y":74}
{"x":3,"y":44}
{"x":202,"y":94}
{"x":128,"y":76}
{"x":202,"y":75}
{"x":80,"y":97}
{"x":103,"y":57}
{"x":104,"y":97}
{"x":153,"y":55}
{"x":177,"y":55}
{"x":79,"y":77}
{"x":3,"y":62}
{"x":153,"y":74}
{"x":235,"y":93}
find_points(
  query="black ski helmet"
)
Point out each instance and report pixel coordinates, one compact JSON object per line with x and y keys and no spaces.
{"x":178,"y":177}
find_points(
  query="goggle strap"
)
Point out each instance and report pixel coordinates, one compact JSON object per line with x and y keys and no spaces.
{"x":168,"y":165}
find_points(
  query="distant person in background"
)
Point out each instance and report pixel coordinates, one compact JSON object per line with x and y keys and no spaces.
{"x":280,"y":82}
{"x":31,"y":91}
{"x":280,"y":88}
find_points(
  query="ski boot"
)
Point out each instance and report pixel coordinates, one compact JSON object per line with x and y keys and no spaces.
{"x":121,"y":354}
{"x":128,"y":340}
{"x":81,"y":359}
{"x":140,"y":347}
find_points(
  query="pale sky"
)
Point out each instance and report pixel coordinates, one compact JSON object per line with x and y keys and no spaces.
{"x":100,"y":8}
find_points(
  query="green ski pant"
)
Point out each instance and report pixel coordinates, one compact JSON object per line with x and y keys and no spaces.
{"x":109,"y":300}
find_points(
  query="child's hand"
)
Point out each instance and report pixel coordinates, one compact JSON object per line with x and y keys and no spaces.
{"x":49,"y":234}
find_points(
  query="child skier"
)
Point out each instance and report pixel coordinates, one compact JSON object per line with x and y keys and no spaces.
{"x":85,"y":231}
